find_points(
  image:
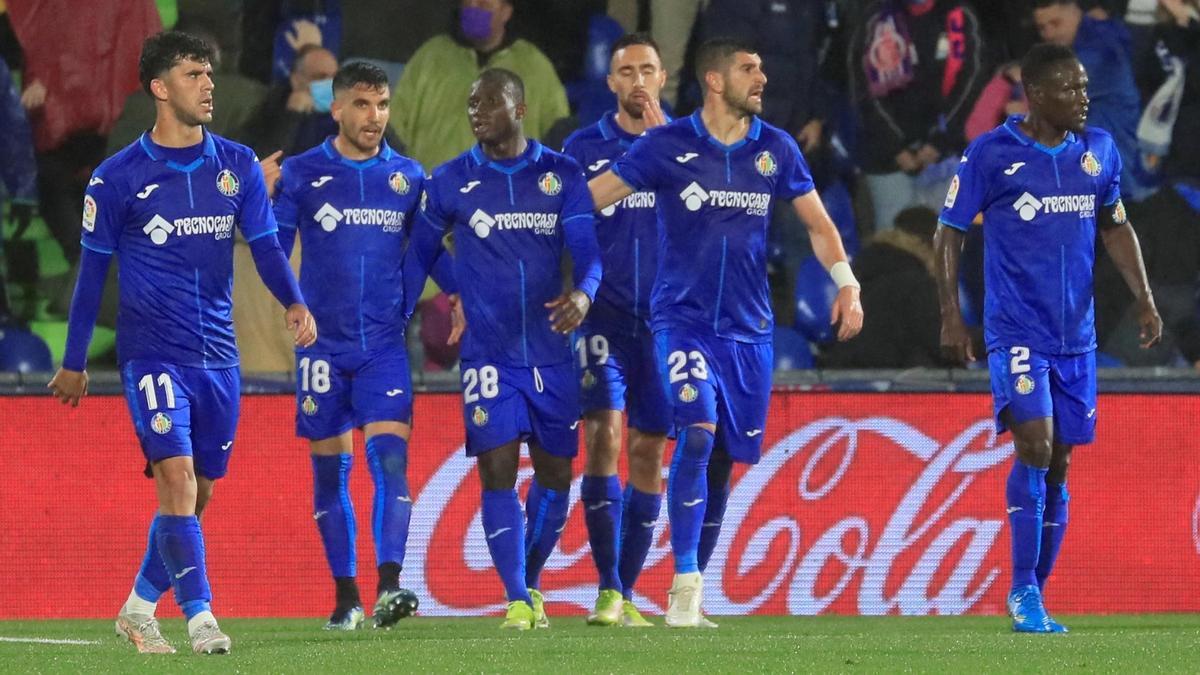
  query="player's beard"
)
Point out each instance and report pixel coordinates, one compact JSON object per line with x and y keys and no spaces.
{"x":742,"y":106}
{"x":191,"y":118}
{"x":362,"y":144}
{"x":632,"y":107}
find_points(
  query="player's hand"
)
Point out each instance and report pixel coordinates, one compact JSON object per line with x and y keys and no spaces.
{"x":567,"y":311}
{"x":810,"y":135}
{"x":302,"y":324}
{"x":907,"y":162}
{"x":652,"y":114}
{"x":847,"y":308}
{"x":271,"y":171}
{"x":68,"y":386}
{"x":956,"y":341}
{"x":34,"y":95}
{"x":928,"y":155}
{"x":458,"y":319}
{"x":1150,"y":322}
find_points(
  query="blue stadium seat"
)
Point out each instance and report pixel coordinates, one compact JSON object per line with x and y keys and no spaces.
{"x":815,"y":292}
{"x":792,"y":351}
{"x":23,"y":352}
{"x":589,"y":95}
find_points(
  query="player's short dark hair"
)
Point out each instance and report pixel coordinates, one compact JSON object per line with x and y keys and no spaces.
{"x":504,"y":77}
{"x":631,"y":39}
{"x":358,"y":73}
{"x":1041,"y":59}
{"x":165,"y":50}
{"x":716,"y":53}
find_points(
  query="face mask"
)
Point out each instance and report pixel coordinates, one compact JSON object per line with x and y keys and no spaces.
{"x":476,"y":23}
{"x":322,"y":94}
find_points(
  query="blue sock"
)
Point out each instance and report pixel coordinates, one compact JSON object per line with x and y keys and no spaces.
{"x":545,"y":515}
{"x":1026,"y":494}
{"x":602,"y":503}
{"x":152,"y":579}
{"x":637,"y":534}
{"x":334,"y":512}
{"x":687,"y":490}
{"x":181,"y":546}
{"x":719,"y":468}
{"x":387,"y":457}
{"x":1054,"y":526}
{"x":504,"y":529}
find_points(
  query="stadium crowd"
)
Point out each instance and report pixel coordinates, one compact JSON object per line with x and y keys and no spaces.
{"x":883,"y":97}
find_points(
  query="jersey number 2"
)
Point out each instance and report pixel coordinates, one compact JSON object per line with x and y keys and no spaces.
{"x":1020,"y":360}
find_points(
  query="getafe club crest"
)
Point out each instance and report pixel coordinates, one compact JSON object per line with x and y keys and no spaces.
{"x":1089,"y":164}
{"x":227,"y":183}
{"x":1024,"y":385}
{"x":588,"y":381}
{"x":688,"y":393}
{"x":161,"y":423}
{"x":399,"y":183}
{"x":308,"y":406}
{"x":479,"y":416}
{"x":765,"y":163}
{"x":549,"y":183}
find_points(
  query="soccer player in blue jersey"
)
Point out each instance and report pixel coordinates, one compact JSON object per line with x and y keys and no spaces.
{"x":165,"y":207}
{"x":616,"y":347}
{"x":514,"y":207}
{"x":1044,"y":184}
{"x":716,"y":176}
{"x":352,"y":200}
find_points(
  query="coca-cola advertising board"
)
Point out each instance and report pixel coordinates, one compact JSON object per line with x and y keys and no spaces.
{"x":862,"y":504}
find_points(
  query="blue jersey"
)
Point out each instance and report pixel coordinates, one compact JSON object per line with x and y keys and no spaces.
{"x":626,"y":232}
{"x":714,"y":204}
{"x":1039,"y":226}
{"x":511,"y":221}
{"x":353,"y":218}
{"x":168,"y":214}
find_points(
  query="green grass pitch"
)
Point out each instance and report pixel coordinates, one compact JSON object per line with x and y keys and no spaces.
{"x":1159,"y":643}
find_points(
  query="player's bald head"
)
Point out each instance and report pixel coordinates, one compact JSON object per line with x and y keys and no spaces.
{"x":502,"y":79}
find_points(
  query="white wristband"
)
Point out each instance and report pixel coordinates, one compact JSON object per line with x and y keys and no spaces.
{"x":842,"y":275}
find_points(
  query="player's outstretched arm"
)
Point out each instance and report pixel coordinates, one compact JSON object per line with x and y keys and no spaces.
{"x":827,"y":245}
{"x":276,"y":274}
{"x":955,"y":340}
{"x":69,"y":384}
{"x":608,"y":189}
{"x":1121,"y":242}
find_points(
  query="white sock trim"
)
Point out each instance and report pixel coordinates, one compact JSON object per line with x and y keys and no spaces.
{"x":136,"y":604}
{"x":203,"y":617}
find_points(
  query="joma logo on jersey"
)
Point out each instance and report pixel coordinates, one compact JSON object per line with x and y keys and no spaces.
{"x":755,"y":203}
{"x":540,"y":223}
{"x":637,"y":200}
{"x":329,"y":218}
{"x":159,"y":229}
{"x":1027,"y":206}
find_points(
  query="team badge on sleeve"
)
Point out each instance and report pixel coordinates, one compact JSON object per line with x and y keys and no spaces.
{"x":227,"y":183}
{"x":549,"y":183}
{"x":399,"y":183}
{"x":1089,"y":164}
{"x":89,"y":213}
{"x":952,"y":193}
{"x":1119,"y":215}
{"x":688,"y":392}
{"x":765,"y":163}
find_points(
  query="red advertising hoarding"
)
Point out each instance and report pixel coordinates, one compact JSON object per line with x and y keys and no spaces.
{"x":862,"y":504}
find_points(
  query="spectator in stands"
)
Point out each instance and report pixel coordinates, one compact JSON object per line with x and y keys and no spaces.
{"x":917,"y":65}
{"x":788,"y":35}
{"x":1169,"y":132}
{"x":294,"y":116}
{"x":18,"y":170}
{"x":240,"y":98}
{"x":671,"y":24}
{"x":1002,"y":96}
{"x":900,"y":295}
{"x":428,"y":113}
{"x":1103,"y":47}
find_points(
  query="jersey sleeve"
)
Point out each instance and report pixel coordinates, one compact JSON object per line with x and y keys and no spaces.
{"x":579,"y":230}
{"x":432,"y":212}
{"x":968,"y":188}
{"x":103,"y":215}
{"x":286,"y":206}
{"x":255,"y":217}
{"x":1110,"y":193}
{"x":795,"y":178}
{"x":641,"y":166}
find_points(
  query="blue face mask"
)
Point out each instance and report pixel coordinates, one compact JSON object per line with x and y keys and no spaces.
{"x":322,"y":94}
{"x":476,"y":23}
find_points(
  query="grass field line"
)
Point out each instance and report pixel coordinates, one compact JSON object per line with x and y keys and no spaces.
{"x":48,"y":641}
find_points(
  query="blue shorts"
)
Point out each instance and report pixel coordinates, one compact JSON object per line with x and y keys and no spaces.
{"x":1034,"y":385}
{"x":719,"y":381}
{"x":179,"y":411}
{"x":620,"y":372}
{"x":338,"y":392}
{"x":502,"y":404}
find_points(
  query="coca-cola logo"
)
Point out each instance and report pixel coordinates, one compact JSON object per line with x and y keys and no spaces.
{"x":869,"y":516}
